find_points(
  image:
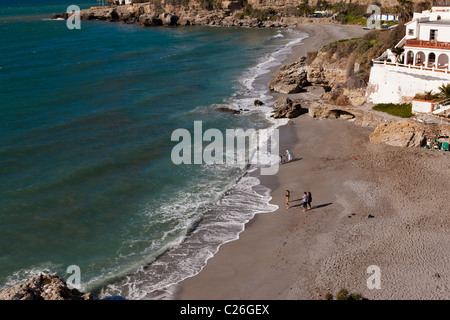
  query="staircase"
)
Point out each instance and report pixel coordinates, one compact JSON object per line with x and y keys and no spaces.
{"x":441,"y":106}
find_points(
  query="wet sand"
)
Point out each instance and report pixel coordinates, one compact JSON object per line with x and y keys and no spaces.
{"x":291,"y":254}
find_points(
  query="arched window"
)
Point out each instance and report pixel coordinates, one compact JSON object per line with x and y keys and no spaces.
{"x":431,"y":60}
{"x":410,"y":57}
{"x":420,"y":58}
{"x":443,"y":61}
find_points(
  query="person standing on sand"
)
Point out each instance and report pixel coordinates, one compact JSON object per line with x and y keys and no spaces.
{"x":309,"y":200}
{"x":305,"y":201}
{"x":288,"y":156}
{"x":288,"y":196}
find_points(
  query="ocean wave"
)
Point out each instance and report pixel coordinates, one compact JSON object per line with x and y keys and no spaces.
{"x":208,"y":225}
{"x":221,"y":224}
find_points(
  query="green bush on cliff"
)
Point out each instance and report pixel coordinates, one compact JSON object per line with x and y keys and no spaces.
{"x":266,"y":14}
{"x":361,"y":51}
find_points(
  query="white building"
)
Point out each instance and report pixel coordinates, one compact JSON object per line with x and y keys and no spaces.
{"x":385,"y":17}
{"x":424,"y":64}
{"x":427,"y":39}
{"x":123,"y":2}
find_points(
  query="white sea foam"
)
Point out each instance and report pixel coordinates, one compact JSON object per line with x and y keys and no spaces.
{"x":204,"y":226}
{"x":21,"y":275}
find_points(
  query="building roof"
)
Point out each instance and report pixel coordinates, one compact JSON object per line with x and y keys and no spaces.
{"x":437,"y":22}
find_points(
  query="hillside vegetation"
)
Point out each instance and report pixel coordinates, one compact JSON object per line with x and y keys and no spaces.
{"x":356,"y":54}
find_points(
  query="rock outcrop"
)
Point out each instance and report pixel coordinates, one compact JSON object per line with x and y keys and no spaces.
{"x":327,"y":72}
{"x":164,"y":13}
{"x":43,"y":287}
{"x":99,"y":13}
{"x":286,"y":108}
{"x":233,"y":111}
{"x":257,"y":103}
{"x":169,"y":19}
{"x":290,"y":78}
{"x":149,"y":19}
{"x":399,"y":134}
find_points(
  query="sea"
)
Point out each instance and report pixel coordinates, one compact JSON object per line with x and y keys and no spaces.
{"x":86,"y":119}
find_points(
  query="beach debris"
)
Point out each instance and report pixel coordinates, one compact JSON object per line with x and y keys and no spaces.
{"x":370,"y":216}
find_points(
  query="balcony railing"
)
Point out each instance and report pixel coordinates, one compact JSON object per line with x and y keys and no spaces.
{"x":441,"y":3}
{"x":444,"y":70}
{"x":427,"y":44}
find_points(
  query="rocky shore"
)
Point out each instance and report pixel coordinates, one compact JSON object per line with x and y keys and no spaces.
{"x":43,"y":287}
{"x":157,"y":14}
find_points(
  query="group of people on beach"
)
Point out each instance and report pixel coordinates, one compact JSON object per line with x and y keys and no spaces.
{"x":286,"y":157}
{"x":306,"y":200}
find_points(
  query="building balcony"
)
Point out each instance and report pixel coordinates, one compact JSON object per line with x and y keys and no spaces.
{"x":427,"y":44}
{"x":419,"y":67}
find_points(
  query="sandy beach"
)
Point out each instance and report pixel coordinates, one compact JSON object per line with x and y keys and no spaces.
{"x":372,"y":205}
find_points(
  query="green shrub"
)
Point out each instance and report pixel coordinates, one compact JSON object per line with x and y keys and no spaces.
{"x":398,"y":110}
{"x":342,"y":295}
{"x":328,"y":296}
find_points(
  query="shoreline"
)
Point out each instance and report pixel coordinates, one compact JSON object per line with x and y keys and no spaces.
{"x":373,"y":205}
{"x":198,"y":286}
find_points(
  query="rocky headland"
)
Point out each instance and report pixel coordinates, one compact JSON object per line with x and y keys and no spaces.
{"x":150,"y":14}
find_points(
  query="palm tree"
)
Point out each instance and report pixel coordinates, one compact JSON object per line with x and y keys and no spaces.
{"x":428,"y":96}
{"x":303,"y":8}
{"x":406,"y":9}
{"x":445,"y":91}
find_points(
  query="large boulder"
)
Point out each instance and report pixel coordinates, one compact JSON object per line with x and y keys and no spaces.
{"x":169,"y":19}
{"x":399,"y":134}
{"x":290,"y":78}
{"x":286,"y":108}
{"x":43,"y":287}
{"x":149,"y":20}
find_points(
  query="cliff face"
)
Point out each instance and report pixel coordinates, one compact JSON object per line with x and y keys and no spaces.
{"x":277,"y":4}
{"x":154,"y":13}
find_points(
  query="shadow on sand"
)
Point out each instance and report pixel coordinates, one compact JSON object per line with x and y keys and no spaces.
{"x":293,"y":160}
{"x":313,"y":207}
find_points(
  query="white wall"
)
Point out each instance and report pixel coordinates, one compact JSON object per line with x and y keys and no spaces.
{"x":422,"y":106}
{"x":391,"y":84}
{"x":411,"y":26}
{"x":443,"y":32}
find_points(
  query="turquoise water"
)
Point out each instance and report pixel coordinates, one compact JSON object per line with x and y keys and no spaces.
{"x":86,"y":118}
